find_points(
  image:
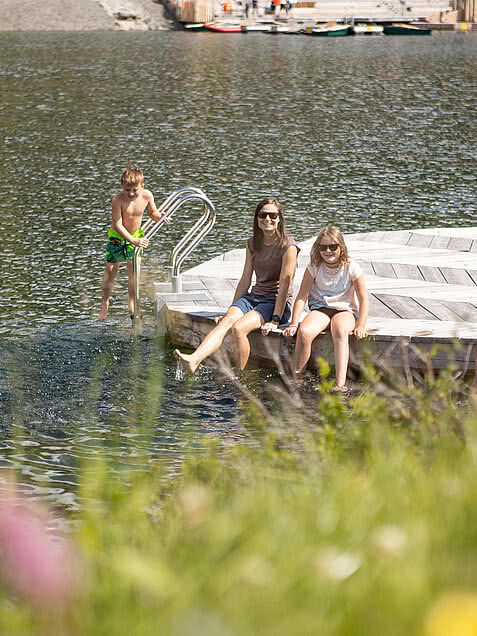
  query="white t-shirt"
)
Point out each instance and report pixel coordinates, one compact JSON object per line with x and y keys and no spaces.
{"x":334,"y":288}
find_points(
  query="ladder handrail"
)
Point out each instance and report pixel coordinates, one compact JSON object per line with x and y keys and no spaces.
{"x":187,"y":243}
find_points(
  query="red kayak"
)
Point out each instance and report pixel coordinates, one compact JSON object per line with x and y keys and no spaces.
{"x":218,"y":28}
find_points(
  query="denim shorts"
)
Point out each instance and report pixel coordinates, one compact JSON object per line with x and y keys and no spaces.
{"x":263,"y":304}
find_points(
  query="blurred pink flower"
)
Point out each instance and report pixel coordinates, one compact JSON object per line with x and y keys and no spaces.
{"x":33,"y":564}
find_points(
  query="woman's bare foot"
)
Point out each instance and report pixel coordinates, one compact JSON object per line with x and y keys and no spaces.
{"x":187,"y":359}
{"x":103,"y":312}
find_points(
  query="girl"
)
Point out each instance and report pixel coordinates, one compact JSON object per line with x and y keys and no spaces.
{"x":271,"y":254}
{"x":336,"y":292}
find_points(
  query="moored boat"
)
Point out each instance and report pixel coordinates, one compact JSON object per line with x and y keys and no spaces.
{"x":406,"y":29}
{"x":224,"y":28}
{"x":256,"y":28}
{"x":199,"y":26}
{"x":368,"y":29}
{"x":335,"y":30}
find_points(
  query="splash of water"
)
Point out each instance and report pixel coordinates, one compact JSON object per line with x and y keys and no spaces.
{"x":180,"y":373}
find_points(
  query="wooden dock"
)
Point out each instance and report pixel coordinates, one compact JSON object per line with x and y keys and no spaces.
{"x":422,"y":290}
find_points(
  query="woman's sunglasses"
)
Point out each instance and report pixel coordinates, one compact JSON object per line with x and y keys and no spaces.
{"x":331,"y":246}
{"x":263,"y":215}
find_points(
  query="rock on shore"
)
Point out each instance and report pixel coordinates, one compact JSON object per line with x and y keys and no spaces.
{"x":82,"y":15}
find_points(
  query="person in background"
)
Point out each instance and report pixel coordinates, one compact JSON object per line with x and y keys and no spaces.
{"x":272,"y":255}
{"x":335,"y":289}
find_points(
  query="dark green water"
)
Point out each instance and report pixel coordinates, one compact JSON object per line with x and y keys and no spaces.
{"x":367,"y":133}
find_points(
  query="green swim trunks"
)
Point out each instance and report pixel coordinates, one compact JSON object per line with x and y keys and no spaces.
{"x":118,"y":249}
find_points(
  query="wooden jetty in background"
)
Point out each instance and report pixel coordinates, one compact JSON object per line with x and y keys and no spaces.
{"x":422,"y":288}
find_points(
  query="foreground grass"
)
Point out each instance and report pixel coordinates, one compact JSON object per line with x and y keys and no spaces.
{"x":360,"y":518}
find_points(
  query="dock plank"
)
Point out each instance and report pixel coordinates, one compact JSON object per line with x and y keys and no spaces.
{"x":384,"y":269}
{"x":420,"y":240}
{"x":432,"y":274}
{"x":455,"y":276}
{"x":407,"y":271}
{"x":460,"y":244}
{"x":466,"y":311}
{"x":405,"y":307}
{"x":440,"y":310}
{"x":377,"y":309}
{"x":440,"y":242}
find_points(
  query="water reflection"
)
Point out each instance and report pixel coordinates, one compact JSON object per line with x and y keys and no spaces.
{"x":74,"y":392}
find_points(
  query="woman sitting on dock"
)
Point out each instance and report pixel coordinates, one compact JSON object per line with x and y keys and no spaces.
{"x":335,"y":289}
{"x":272,"y":255}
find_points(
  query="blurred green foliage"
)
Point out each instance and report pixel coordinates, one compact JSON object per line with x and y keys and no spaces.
{"x":356,"y":517}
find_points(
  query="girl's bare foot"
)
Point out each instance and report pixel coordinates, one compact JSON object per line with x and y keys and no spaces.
{"x":340,"y":388}
{"x":187,"y":360}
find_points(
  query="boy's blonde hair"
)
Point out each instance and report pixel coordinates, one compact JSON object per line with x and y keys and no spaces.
{"x":334,"y":235}
{"x":132,"y":177}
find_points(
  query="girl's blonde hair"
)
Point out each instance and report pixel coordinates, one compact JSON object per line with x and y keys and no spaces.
{"x":333,"y":235}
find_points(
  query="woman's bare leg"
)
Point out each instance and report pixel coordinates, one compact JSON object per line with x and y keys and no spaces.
{"x":110,"y":271}
{"x":312,"y":325}
{"x":342,"y":324}
{"x":211,"y":342}
{"x":251,"y":321}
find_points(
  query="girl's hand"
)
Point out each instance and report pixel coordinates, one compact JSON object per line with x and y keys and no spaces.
{"x":290,"y":331}
{"x":360,"y":332}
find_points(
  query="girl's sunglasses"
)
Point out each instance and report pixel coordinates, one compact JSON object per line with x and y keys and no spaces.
{"x":263,"y":215}
{"x":331,"y":246}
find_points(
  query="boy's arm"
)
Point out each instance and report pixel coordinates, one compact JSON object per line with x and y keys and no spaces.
{"x":152,"y":209}
{"x":117,"y":224}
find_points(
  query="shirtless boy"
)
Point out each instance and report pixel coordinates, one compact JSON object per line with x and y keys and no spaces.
{"x":125,"y":233}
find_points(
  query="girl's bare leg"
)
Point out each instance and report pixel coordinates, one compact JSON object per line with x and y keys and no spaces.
{"x":251,"y":321}
{"x":110,"y":272}
{"x":312,"y":325}
{"x":211,"y":342}
{"x":342,"y":324}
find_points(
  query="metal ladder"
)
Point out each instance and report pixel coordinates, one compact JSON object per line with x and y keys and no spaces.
{"x":184,"y":247}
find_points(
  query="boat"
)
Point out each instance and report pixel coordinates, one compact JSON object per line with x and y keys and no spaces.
{"x":199,"y":26}
{"x":256,"y":28}
{"x":224,"y":28}
{"x":368,"y":29}
{"x":406,"y":29}
{"x":335,"y":30}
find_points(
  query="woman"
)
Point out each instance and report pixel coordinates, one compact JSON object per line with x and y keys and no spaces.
{"x":272,"y":255}
{"x":336,"y":292}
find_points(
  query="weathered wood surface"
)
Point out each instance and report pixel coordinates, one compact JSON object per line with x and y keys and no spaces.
{"x":422,"y":287}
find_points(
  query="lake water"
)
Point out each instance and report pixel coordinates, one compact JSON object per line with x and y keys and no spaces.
{"x":366,"y":133}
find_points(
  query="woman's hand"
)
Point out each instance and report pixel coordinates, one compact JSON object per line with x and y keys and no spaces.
{"x":267,"y":327}
{"x":360,"y":332}
{"x":290,"y":331}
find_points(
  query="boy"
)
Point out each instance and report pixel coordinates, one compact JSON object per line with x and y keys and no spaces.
{"x":125,"y":233}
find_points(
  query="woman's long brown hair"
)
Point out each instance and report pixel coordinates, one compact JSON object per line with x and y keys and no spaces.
{"x":257,"y":232}
{"x":333,"y":235}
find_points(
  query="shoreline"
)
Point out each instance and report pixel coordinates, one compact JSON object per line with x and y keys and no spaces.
{"x":83,"y":15}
